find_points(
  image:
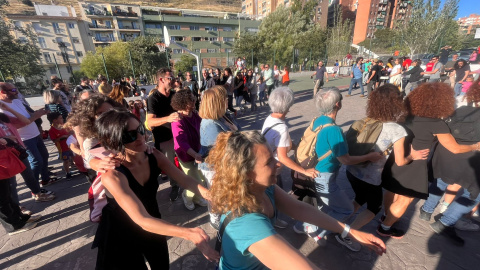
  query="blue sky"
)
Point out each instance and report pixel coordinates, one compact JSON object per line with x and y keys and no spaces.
{"x":467,"y":7}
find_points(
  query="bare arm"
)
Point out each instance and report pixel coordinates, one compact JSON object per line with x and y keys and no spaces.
{"x":117,"y":184}
{"x":289,"y":163}
{"x":305,"y":212}
{"x":22,"y":120}
{"x":352,"y":160}
{"x":465,"y":77}
{"x":80,"y":138}
{"x":270,"y":249}
{"x":75,"y":149}
{"x":153,"y":121}
{"x":448,"y":141}
{"x":399,"y":152}
{"x":373,"y":74}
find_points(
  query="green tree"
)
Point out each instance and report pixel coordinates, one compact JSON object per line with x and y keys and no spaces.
{"x":145,"y":55}
{"x":185,"y":63}
{"x":116,"y":61}
{"x":428,"y":22}
{"x":339,"y":37}
{"x":19,"y":58}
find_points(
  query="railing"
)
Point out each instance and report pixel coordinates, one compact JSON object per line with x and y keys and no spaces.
{"x":97,"y":13}
{"x":100,"y":26}
{"x":103,"y":39}
{"x":124,"y":13}
{"x":130,"y":27}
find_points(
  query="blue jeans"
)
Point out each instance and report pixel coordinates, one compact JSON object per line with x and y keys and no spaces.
{"x":352,"y":83}
{"x":458,"y":89}
{"x":460,"y":206}
{"x":336,"y":202}
{"x":38,"y":158}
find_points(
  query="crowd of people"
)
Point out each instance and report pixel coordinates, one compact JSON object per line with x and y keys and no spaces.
{"x":211,"y":162}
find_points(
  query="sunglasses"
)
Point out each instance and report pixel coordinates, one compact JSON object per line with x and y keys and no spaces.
{"x":132,"y":135}
{"x":13,"y":90}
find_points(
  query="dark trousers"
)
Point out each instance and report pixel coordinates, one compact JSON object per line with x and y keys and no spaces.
{"x":10,"y":215}
{"x":230,"y":104}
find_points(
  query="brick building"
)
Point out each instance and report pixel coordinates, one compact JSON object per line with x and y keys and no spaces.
{"x":469,"y":24}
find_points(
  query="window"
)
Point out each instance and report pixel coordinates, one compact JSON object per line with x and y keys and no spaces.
{"x":75,"y":40}
{"x":197,"y":50}
{"x":211,"y":28}
{"x":47,"y":57}
{"x":79,"y":54}
{"x":71,"y":25}
{"x":229,"y":50}
{"x":17,"y":24}
{"x":53,"y":70}
{"x":228,"y":39}
{"x":210,"y":50}
{"x":227,"y":29}
{"x":174,"y":27}
{"x":108,"y":24}
{"x":149,"y":25}
{"x":56,"y":28}
{"x":37,"y":27}
{"x":176,"y":38}
{"x":194,"y":27}
{"x":42,"y":42}
{"x":251,"y":29}
{"x":177,"y":51}
{"x":196,"y":39}
{"x":69,"y":69}
{"x":59,"y":39}
{"x":213,"y":39}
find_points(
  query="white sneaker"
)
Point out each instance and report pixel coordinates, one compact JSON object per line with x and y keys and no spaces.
{"x":26,"y":227}
{"x":281,"y":224}
{"x":312,"y":233}
{"x":202,"y":202}
{"x":465,"y":224}
{"x":443,"y":207}
{"x":349,"y":243}
{"x":188,"y":204}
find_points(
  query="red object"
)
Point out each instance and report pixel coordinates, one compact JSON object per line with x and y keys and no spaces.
{"x":45,"y":134}
{"x":177,"y":164}
{"x":407,"y":63}
{"x":78,"y":160}
{"x":10,"y":165}
{"x":55,"y":133}
{"x":430,"y":66}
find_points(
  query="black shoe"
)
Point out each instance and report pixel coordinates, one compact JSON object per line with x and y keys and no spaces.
{"x":164,"y":177}
{"x":68,"y":176}
{"x":392,"y":232}
{"x":424,"y":215}
{"x":449,"y":232}
{"x":174,"y":193}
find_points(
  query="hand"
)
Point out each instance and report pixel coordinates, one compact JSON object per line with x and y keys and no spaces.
{"x":198,"y":158}
{"x":3,"y":141}
{"x":420,"y":154}
{"x":108,"y":163}
{"x":370,"y":241}
{"x":422,"y":73}
{"x":200,"y":239}
{"x":368,"y":81}
{"x":310,"y":172}
{"x":327,"y":80}
{"x":173,"y":117}
{"x":351,"y":75}
{"x":150,"y":149}
{"x":39,"y":113}
{"x":4,"y":107}
{"x":374,"y":156}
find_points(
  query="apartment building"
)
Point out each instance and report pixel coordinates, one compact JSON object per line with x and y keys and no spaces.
{"x":209,"y":34}
{"x":379,"y":14}
{"x":469,"y":24}
{"x":109,"y":22}
{"x":258,"y":9}
{"x":62,"y":38}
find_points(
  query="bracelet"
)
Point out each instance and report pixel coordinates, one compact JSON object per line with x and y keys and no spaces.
{"x":346,"y":230}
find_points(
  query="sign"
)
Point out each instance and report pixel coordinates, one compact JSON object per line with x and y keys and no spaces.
{"x":477,"y":34}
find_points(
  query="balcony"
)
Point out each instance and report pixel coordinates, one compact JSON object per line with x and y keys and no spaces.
{"x":153,"y":31}
{"x":91,"y":13}
{"x":103,"y":40}
{"x":380,"y":20}
{"x":100,"y":27}
{"x":129,"y":28}
{"x":383,"y":2}
{"x":121,"y":13}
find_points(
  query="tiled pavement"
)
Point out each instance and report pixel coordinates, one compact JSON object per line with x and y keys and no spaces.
{"x":63,"y":237}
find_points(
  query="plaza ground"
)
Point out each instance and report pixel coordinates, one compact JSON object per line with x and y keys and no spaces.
{"x":63,"y":237}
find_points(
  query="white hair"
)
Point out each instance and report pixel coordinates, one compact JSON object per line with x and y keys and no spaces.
{"x":280,"y":100}
{"x":326,"y":100}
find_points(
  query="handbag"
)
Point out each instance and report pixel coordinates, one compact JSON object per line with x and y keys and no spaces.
{"x":22,"y":152}
{"x":10,"y":165}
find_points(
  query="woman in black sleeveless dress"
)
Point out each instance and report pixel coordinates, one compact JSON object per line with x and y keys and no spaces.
{"x":131,"y":230}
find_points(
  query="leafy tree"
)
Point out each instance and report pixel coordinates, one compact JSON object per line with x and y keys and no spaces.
{"x":427,"y":24}
{"x":185,"y":63}
{"x":339,"y":37}
{"x":145,"y":55}
{"x":19,"y":58}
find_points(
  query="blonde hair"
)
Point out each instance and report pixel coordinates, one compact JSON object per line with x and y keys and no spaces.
{"x":51,"y":97}
{"x":118,"y":93}
{"x":233,"y":157}
{"x":213,"y":103}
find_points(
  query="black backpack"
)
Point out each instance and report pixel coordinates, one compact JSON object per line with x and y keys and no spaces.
{"x":464,"y":124}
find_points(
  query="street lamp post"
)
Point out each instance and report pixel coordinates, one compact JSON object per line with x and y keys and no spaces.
{"x":63,"y":47}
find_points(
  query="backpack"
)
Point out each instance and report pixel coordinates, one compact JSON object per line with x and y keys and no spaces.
{"x":464,"y":124}
{"x":362,"y":136}
{"x":303,"y":187}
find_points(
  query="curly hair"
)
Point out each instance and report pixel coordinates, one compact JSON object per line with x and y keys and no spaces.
{"x":473,"y":93}
{"x":84,"y":114}
{"x":386,"y":104}
{"x":431,"y":100}
{"x":232,"y":158}
{"x":182,"y":99}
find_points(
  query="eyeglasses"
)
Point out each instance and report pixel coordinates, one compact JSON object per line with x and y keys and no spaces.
{"x":170,"y":78}
{"x":132,"y":135}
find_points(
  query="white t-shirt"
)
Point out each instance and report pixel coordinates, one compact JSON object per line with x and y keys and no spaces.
{"x":277,"y":136}
{"x":72,"y":140}
{"x":29,"y":131}
{"x":231,"y":86}
{"x":372,"y":172}
{"x":396,"y":69}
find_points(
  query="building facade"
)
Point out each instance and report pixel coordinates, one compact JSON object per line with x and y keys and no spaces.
{"x":61,"y":37}
{"x":372,"y":15}
{"x":469,"y":24}
{"x":208,"y":34}
{"x":108,"y":23}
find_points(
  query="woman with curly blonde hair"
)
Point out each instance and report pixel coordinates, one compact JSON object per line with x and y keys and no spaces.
{"x":428,"y":105}
{"x":244,"y":191}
